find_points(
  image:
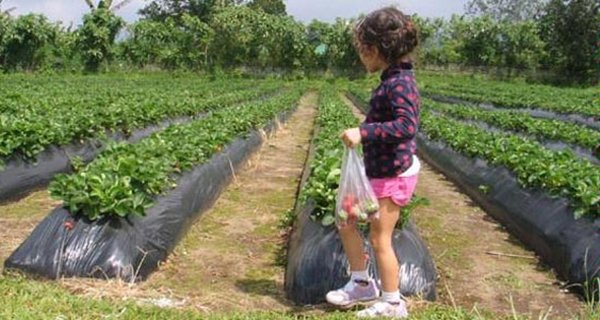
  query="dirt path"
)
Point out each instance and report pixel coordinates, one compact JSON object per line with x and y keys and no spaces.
{"x":18,"y":218}
{"x":227,"y":262}
{"x":460,"y":235}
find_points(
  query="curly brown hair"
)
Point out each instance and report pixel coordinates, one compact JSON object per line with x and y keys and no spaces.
{"x":391,"y":31}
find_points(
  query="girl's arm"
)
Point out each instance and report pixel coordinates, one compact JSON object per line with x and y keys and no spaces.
{"x":403,"y":127}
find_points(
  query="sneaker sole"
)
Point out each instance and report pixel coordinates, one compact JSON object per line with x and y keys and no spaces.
{"x":364,"y":303}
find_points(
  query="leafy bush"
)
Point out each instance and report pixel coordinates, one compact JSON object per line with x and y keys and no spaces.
{"x":96,"y":37}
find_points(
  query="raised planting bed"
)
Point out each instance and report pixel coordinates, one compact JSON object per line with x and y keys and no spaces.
{"x":573,"y":101}
{"x":553,"y":134}
{"x":549,"y":200}
{"x":591,"y":123}
{"x":19,"y":175}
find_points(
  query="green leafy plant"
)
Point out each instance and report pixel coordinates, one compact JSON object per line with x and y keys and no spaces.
{"x":37,"y":113}
{"x":97,"y":35}
{"x":511,"y":94}
{"x":125,"y":179}
{"x":543,"y":129}
{"x":560,"y":173}
{"x":322,"y":184}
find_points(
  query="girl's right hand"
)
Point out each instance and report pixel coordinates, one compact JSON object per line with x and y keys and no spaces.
{"x":351,"y":137}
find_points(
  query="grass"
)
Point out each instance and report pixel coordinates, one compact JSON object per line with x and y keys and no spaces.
{"x":23,"y":298}
{"x":34,"y":205}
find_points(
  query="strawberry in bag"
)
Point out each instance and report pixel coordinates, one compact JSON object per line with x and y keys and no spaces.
{"x":356,"y":201}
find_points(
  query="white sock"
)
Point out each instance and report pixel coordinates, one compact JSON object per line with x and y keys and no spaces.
{"x":359,"y":275}
{"x":391,"y":297}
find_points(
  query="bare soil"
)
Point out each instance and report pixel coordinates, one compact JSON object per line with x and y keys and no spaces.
{"x":228,"y":261}
{"x":18,"y":218}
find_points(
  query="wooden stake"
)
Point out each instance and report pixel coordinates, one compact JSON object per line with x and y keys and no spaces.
{"x":510,"y":255}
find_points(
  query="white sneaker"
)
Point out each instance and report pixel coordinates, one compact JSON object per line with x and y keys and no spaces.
{"x":385,"y":309}
{"x":355,"y":291}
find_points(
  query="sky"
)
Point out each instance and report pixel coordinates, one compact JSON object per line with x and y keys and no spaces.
{"x":70,"y":11}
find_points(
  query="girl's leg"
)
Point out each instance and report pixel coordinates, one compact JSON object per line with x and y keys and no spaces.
{"x":353,"y":247}
{"x":381,"y":239}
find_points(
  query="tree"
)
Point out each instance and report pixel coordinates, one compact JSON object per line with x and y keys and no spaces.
{"x":505,"y":10}
{"x":160,"y":10}
{"x":332,"y":44}
{"x":274,"y":7}
{"x":478,"y":40}
{"x":440,"y":40}
{"x":169,"y":45}
{"x":317,"y":34}
{"x":97,"y":35}
{"x":572,"y":36}
{"x":149,"y":42}
{"x":64,"y":52}
{"x":253,"y":38}
{"x":5,"y":29}
{"x":26,"y":41}
{"x":519,"y":45}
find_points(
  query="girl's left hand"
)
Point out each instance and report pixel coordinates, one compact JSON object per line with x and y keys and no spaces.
{"x":351,"y":137}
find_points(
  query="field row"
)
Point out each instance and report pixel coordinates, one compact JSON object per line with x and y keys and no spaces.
{"x":321,"y":187}
{"x":520,"y":122}
{"x":560,"y":173}
{"x":125,"y":178}
{"x":544,"y":130}
{"x":585,"y":102}
{"x":58,"y":114}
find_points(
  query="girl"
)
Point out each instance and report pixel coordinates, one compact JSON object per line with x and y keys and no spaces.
{"x":384,"y":40}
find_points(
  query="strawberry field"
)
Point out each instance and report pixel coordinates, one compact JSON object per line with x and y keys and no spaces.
{"x":165,"y":159}
{"x":144,"y":159}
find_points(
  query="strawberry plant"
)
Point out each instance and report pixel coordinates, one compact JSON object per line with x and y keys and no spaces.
{"x":126,"y":178}
{"x":561,"y":173}
{"x":36,"y":113}
{"x":322,"y":184}
{"x":520,"y":122}
{"x":512,"y":94}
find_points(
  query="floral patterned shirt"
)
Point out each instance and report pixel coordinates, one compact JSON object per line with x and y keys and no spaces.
{"x":390,"y":129}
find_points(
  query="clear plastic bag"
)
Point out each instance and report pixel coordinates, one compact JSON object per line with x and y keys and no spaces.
{"x":356,"y":202}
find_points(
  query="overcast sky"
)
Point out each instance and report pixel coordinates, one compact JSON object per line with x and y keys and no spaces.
{"x":305,"y":10}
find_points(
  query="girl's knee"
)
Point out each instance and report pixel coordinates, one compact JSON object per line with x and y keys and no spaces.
{"x":380,"y":242}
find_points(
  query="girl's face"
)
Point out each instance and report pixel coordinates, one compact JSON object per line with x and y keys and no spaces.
{"x":371,"y":59}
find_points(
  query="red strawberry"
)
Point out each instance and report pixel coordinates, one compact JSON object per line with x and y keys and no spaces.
{"x":69,"y":225}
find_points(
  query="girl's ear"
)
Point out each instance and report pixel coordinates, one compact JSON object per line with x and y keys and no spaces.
{"x":376,"y":58}
{"x":371,"y":51}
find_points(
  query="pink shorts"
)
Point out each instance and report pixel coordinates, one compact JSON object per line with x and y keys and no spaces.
{"x":399,"y":189}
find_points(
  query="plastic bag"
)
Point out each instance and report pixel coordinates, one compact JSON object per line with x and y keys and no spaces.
{"x":356,"y":202}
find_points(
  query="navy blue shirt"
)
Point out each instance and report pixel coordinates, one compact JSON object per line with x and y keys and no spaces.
{"x":390,"y":129}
